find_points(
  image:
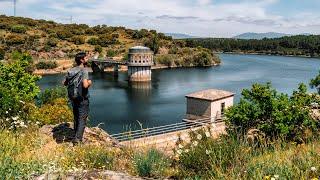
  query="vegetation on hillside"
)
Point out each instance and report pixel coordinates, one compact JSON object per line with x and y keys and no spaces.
{"x":50,"y":40}
{"x":300,"y":45}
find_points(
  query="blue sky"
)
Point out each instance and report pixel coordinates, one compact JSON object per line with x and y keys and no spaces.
{"x":206,"y":18}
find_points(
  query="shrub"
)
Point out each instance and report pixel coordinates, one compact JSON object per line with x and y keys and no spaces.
{"x":78,"y":40}
{"x":153,"y":43}
{"x":173,"y":50}
{"x":4,"y":25}
{"x":106,"y":40}
{"x":93,"y":41}
{"x":46,"y":65}
{"x":53,"y":35}
{"x":18,"y":29}
{"x":63,"y":34}
{"x":14,"y":39}
{"x":315,"y":83}
{"x":98,"y":48}
{"x":52,"y":42}
{"x":49,"y":95}
{"x":17,"y":87}
{"x":2,"y":54}
{"x":111,"y":53}
{"x":151,"y":164}
{"x":165,"y":59}
{"x":206,"y":157}
{"x":231,"y":157}
{"x":55,"y":112}
{"x":90,"y":31}
{"x":202,"y":59}
{"x":273,"y":113}
{"x":18,"y":56}
{"x":115,"y":36}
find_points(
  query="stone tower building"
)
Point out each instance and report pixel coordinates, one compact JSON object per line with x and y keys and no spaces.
{"x":139,"y":64}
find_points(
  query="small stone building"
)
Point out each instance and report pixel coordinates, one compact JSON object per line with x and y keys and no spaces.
{"x":139,"y":64}
{"x":209,"y":103}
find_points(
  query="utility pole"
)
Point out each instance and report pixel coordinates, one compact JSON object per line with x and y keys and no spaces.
{"x":14,"y":8}
{"x":71,"y":19}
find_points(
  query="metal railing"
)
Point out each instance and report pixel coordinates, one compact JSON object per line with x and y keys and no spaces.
{"x":142,"y":133}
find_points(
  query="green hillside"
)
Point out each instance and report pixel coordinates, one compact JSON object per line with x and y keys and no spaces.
{"x":50,"y":40}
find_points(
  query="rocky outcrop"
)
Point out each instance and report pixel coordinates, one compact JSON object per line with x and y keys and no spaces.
{"x":64,"y":133}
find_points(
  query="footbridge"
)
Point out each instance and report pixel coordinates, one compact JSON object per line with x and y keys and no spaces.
{"x":98,"y":65}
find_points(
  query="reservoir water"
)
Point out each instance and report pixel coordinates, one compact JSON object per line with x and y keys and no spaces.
{"x":117,"y":106}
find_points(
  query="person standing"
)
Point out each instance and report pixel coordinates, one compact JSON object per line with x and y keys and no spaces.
{"x":78,"y":83}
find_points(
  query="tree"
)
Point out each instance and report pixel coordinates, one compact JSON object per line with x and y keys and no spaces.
{"x":153,"y":43}
{"x":17,"y":87}
{"x":273,"y":113}
{"x":203,"y":59}
{"x":315,"y":83}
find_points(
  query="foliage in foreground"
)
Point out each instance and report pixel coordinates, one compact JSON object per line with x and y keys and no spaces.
{"x":18,"y":90}
{"x":231,"y":157}
{"x":274,"y":114}
{"x":29,"y":153}
{"x":17,"y":87}
{"x":315,"y":82}
{"x":151,"y":164}
{"x":15,"y":160}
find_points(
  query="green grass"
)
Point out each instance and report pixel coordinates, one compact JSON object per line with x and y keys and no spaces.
{"x":15,"y":163}
{"x":151,"y":164}
{"x":233,"y":158}
{"x":24,"y":155}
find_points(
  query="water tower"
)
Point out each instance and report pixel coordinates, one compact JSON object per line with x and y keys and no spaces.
{"x":139,"y":64}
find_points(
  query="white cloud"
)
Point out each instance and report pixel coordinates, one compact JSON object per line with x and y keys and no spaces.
{"x":204,"y":2}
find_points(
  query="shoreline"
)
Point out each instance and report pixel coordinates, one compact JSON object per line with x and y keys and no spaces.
{"x":42,"y":72}
{"x":267,"y":54}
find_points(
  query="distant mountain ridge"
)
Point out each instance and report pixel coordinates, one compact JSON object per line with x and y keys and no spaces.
{"x":179,"y":35}
{"x":251,"y":35}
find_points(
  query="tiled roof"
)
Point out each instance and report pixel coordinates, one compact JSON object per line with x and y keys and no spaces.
{"x":210,"y":94}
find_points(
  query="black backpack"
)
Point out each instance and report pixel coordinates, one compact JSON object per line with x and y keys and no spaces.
{"x":74,"y":86}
